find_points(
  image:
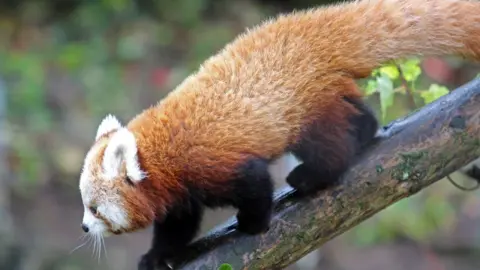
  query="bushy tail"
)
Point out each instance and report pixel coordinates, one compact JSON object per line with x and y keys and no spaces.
{"x":360,"y":35}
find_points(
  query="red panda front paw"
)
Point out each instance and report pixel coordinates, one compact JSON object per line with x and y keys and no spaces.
{"x":308,"y":181}
{"x":252,"y":225}
{"x":150,"y":262}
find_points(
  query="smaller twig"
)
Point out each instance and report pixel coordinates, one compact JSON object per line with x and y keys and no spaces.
{"x":463,"y":188}
{"x":409,"y":91}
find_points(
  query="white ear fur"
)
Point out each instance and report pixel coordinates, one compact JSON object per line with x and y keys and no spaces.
{"x":122,"y":147}
{"x":108,"y":124}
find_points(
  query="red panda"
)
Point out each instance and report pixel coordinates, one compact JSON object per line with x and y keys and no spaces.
{"x":286,"y":86}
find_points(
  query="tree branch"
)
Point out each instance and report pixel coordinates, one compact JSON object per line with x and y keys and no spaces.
{"x":412,"y":153}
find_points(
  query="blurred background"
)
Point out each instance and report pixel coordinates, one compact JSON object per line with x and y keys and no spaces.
{"x":64,"y":64}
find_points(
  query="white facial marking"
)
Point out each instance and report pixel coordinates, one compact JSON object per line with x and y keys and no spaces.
{"x":122,"y":147}
{"x":95,"y":225}
{"x":108,"y":124}
{"x":115,"y":214}
{"x":108,"y":202}
{"x":110,"y":211}
{"x":86,"y":174}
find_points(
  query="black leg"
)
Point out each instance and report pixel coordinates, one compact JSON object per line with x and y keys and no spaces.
{"x":251,"y":192}
{"x":474,"y":173}
{"x":254,"y":197}
{"x":327,"y":149}
{"x":363,"y":126}
{"x":171,"y":235}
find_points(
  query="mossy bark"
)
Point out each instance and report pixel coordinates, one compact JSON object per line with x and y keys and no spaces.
{"x":412,"y":153}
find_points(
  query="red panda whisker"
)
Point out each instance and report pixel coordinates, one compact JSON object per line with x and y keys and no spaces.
{"x":77,"y":247}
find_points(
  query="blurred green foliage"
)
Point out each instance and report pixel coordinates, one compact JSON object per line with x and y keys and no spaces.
{"x":421,"y":216}
{"x":401,"y":77}
{"x":96,"y":48}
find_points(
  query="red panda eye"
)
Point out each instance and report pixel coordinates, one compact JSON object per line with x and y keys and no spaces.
{"x":93,"y":209}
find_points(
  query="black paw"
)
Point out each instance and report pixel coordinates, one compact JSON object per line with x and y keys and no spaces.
{"x":252,"y":225}
{"x":474,"y":173}
{"x":308,"y":181}
{"x":146,"y":262}
{"x":150,"y":262}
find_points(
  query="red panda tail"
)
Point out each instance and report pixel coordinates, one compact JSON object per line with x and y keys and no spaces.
{"x":358,"y":36}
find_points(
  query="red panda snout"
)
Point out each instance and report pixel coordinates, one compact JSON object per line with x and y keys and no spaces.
{"x":115,"y":216}
{"x":113,"y":201}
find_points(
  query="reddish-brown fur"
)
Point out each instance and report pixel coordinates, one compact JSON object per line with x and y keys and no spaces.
{"x":254,"y":97}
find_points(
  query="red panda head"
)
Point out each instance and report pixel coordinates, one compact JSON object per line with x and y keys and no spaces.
{"x":110,"y":183}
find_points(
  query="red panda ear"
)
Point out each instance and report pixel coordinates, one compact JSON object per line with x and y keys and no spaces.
{"x":122,"y":147}
{"x":108,"y":124}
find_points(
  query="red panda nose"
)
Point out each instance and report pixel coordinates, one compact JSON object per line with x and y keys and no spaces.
{"x":85,"y":228}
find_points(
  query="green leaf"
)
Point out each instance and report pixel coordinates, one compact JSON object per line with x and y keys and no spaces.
{"x":433,"y":93}
{"x":391,"y":71}
{"x":385,"y":87}
{"x":225,"y":266}
{"x":371,"y":87}
{"x":411,"y":69}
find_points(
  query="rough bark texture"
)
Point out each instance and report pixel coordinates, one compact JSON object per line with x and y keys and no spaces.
{"x":413,"y":153}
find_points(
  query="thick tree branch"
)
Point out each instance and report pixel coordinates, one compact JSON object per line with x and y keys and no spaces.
{"x":413,"y":153}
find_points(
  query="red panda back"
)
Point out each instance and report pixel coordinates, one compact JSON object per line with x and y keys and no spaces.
{"x":256,"y":95}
